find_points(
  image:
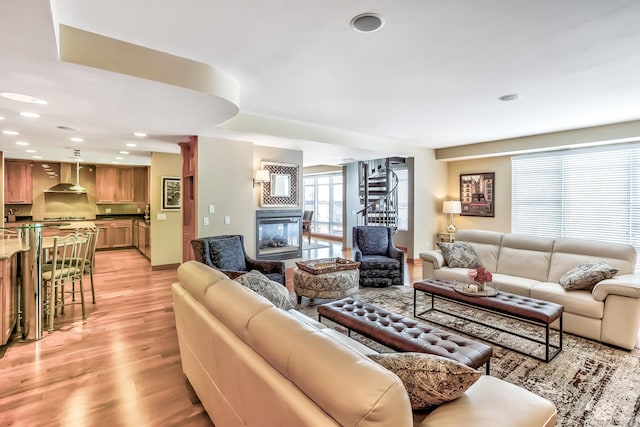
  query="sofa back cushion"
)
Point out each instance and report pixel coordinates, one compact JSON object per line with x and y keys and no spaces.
{"x":486,"y":245}
{"x":197,"y":277}
{"x":568,"y":253}
{"x":525,"y":256}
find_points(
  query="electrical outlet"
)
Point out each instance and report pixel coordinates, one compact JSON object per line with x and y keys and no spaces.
{"x":212,"y":209}
{"x":205,"y":220}
{"x":161,"y":217}
{"x":108,"y":210}
{"x":227,"y":219}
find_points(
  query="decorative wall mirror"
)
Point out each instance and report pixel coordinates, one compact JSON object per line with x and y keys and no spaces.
{"x":282,"y":187}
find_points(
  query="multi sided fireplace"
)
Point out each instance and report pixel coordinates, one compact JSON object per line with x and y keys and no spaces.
{"x":278,"y":234}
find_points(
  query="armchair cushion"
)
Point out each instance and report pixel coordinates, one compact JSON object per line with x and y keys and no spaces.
{"x":374,"y":241}
{"x":228,"y":253}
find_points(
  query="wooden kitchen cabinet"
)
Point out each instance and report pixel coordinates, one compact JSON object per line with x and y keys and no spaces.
{"x":121,"y":233}
{"x":114,"y":184}
{"x":141,"y":184}
{"x":18,"y":186}
{"x":104,"y":234}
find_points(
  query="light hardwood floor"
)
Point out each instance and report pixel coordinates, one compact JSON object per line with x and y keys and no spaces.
{"x":120,"y":367}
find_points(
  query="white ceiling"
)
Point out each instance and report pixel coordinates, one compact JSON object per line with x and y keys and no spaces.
{"x":429,"y":77}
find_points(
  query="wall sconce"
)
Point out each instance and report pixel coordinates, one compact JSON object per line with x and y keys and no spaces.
{"x":451,"y":207}
{"x":262,"y":175}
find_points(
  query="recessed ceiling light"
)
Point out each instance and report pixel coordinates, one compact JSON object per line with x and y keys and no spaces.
{"x":124,"y":152}
{"x":115,"y":163}
{"x":140,"y":134}
{"x":31,"y":151}
{"x":10,"y":132}
{"x":36,"y":157}
{"x":29,"y":114}
{"x":77,"y":139}
{"x":23,"y":98}
{"x":509,"y":97}
{"x":1,"y":118}
{"x":22,"y":143}
{"x":367,"y":22}
{"x":119,"y":158}
{"x":131,"y":144}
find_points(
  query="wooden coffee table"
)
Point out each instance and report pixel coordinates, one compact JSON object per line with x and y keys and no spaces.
{"x":517,"y":307}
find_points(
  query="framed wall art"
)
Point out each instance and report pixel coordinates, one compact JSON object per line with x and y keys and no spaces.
{"x":170,"y":193}
{"x":477,"y":194}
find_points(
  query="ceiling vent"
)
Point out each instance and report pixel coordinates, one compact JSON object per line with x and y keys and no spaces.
{"x":367,"y":22}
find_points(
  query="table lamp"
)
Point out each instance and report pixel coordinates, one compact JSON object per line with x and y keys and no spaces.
{"x":451,"y":207}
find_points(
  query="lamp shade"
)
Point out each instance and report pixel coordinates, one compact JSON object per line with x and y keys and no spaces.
{"x":452,"y":207}
{"x":262,"y":175}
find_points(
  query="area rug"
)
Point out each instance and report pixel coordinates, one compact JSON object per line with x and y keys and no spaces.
{"x":591,"y":384}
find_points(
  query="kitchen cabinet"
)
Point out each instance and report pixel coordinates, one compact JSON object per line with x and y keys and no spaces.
{"x":142,"y":238}
{"x":114,"y":234}
{"x":18,"y":186}
{"x":114,"y":184}
{"x":141,"y":185}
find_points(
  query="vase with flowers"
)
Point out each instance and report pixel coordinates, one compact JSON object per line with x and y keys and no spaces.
{"x":480,"y":277}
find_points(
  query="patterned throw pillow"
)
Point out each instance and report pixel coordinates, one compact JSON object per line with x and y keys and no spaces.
{"x":459,"y":254}
{"x":430,"y":380}
{"x":260,"y":284}
{"x":228,"y":254}
{"x":585,"y":276}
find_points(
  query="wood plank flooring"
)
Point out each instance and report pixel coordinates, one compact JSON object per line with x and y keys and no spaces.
{"x":119,"y":367}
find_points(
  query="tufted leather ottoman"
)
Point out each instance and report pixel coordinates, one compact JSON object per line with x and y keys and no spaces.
{"x":404,"y":334}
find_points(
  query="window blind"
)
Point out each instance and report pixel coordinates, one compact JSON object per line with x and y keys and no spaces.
{"x":592,"y":194}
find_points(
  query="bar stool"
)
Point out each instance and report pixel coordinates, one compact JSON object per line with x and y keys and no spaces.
{"x":68,"y":257}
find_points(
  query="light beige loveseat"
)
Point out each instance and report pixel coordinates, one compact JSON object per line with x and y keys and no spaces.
{"x":252,"y":364}
{"x":533,"y":266}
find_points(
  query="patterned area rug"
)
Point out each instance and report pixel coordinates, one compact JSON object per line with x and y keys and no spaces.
{"x":591,"y":384}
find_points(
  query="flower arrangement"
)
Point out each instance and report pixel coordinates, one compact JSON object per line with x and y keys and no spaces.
{"x":480,"y":275}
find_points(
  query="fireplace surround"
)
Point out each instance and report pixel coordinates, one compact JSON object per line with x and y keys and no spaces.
{"x":278,"y":234}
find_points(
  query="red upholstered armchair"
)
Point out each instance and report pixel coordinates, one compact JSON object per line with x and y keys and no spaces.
{"x":226,"y":253}
{"x":381,"y":263}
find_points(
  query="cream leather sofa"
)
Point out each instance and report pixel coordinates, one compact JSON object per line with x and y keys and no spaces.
{"x":533,"y":266}
{"x":252,"y":364}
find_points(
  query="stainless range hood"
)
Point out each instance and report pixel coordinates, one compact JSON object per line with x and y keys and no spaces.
{"x":65,"y":185}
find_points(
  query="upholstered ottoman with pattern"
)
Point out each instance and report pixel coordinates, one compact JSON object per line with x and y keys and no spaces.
{"x":329,"y":278}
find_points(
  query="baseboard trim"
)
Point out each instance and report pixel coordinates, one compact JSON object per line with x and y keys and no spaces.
{"x":164,"y":266}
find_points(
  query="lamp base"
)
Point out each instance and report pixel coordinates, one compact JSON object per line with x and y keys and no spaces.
{"x":451,"y":228}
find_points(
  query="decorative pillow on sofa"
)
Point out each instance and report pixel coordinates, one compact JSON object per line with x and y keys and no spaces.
{"x":260,"y":284}
{"x":430,"y":380}
{"x":585,"y":276}
{"x":459,"y":254}
{"x":228,"y":254}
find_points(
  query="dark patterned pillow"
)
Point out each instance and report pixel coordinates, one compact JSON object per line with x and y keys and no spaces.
{"x":430,"y":380}
{"x":374,"y":241}
{"x":585,"y":276}
{"x":228,"y":254}
{"x":260,"y":284}
{"x":459,"y":254}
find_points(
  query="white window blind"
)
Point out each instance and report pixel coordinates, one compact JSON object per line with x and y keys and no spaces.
{"x":591,"y":194}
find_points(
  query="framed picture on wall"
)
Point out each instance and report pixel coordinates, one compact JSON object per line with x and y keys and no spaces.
{"x":170,"y":193}
{"x":477,"y":194}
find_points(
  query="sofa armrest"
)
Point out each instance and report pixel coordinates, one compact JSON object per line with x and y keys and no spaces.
{"x":435,"y":257}
{"x":626,"y":285}
{"x":431,"y":261}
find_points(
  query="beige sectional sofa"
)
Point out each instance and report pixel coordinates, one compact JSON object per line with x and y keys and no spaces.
{"x":533,"y":266}
{"x":252,"y":364}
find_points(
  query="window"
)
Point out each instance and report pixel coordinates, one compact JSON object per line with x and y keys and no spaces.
{"x":403,"y":198}
{"x":323,"y":195}
{"x":590,"y":194}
